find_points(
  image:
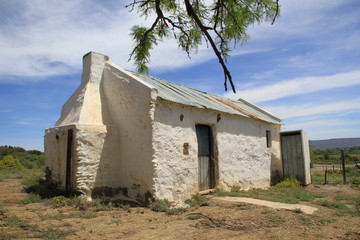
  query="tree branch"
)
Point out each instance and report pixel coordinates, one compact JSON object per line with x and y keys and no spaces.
{"x":277,"y":12}
{"x":193,"y":15}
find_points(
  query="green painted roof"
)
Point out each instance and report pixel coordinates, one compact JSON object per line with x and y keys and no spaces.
{"x":184,"y":95}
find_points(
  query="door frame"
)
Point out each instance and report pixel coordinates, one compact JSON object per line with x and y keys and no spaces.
{"x":69,"y":153}
{"x":211,"y":158}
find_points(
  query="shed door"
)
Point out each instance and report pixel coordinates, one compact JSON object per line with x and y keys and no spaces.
{"x":206,"y":166}
{"x":295,"y":155}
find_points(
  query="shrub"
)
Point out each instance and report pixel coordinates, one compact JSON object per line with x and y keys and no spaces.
{"x":235,"y":188}
{"x":197,"y":200}
{"x":126,"y":207}
{"x":45,"y":189}
{"x":10,"y":162}
{"x":30,"y":199}
{"x":160,"y":205}
{"x":288,"y":182}
{"x":297,"y":210}
{"x":194,"y":216}
{"x":61,"y":201}
{"x":14,"y":221}
{"x":175,"y":211}
{"x":32,"y":159}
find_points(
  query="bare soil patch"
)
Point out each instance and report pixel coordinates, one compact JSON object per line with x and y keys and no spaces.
{"x":219,"y":220}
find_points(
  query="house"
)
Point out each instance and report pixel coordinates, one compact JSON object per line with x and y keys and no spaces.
{"x":124,"y":134}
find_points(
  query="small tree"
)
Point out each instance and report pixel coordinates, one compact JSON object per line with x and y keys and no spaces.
{"x":221,"y":23}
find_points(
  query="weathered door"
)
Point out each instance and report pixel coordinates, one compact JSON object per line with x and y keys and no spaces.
{"x":206,"y":166}
{"x":295,"y":155}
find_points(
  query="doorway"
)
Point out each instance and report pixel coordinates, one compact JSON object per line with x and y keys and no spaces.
{"x":68,"y":162}
{"x":205,"y":156}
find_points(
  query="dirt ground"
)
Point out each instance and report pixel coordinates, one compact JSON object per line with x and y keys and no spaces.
{"x":219,"y":220}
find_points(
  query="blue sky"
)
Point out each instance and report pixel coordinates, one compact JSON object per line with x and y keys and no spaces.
{"x":304,"y":69}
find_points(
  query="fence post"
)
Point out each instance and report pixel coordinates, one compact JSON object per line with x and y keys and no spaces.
{"x":343,"y":165}
{"x":325,"y":176}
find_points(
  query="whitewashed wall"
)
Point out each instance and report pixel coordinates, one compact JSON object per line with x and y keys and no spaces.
{"x":111,"y":115}
{"x":127,"y":142}
{"x":86,"y":149}
{"x":240,"y":149}
{"x":128,"y":149}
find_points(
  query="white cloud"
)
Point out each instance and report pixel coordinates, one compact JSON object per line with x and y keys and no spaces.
{"x":342,"y":132}
{"x":24,"y":123}
{"x":309,"y":109}
{"x":302,"y":19}
{"x":48,"y":37}
{"x":320,"y":37}
{"x":264,"y":75}
{"x":320,"y":123}
{"x":297,"y":86}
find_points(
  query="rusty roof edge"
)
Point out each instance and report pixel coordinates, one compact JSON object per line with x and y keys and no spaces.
{"x":244,"y":114}
{"x":259,"y":109}
{"x":211,"y":108}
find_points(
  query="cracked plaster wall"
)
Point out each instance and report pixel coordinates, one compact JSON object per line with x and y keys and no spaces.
{"x":240,"y":149}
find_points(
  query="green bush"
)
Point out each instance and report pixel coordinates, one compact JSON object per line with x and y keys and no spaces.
{"x":126,"y":207}
{"x":61,"y":201}
{"x":175,"y":211}
{"x":31,"y":199}
{"x":194,"y":216}
{"x":288,"y":182}
{"x":160,"y":205}
{"x":14,"y":221}
{"x":32,"y":159}
{"x":10,"y":162}
{"x":197,"y":200}
{"x":38,"y":185}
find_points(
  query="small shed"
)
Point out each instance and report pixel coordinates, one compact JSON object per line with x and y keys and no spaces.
{"x":127,"y":135}
{"x":296,"y":155}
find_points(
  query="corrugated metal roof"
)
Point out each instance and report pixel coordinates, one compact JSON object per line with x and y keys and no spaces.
{"x":184,"y":95}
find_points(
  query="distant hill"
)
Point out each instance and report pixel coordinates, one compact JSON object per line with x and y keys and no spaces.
{"x":335,"y":143}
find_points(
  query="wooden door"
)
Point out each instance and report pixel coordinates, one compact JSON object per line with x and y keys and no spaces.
{"x":206,"y":166}
{"x":295,"y":155}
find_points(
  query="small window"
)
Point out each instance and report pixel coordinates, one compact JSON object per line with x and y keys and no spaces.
{"x":268,"y":138}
